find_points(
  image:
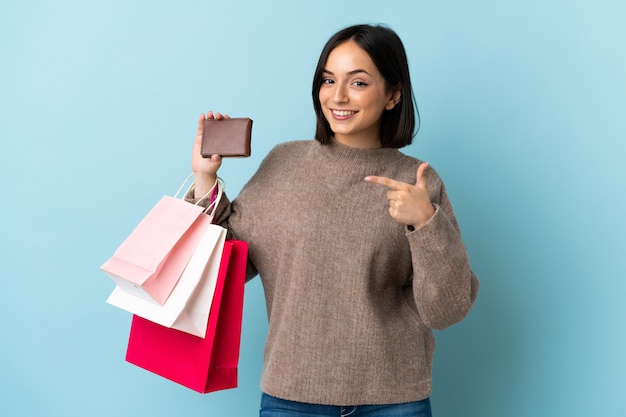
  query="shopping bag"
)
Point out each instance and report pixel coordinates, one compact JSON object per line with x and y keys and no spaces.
{"x":203,"y":365}
{"x":151,"y":259}
{"x":187,"y":308}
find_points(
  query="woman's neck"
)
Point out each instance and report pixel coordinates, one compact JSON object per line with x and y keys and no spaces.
{"x":359,"y":142}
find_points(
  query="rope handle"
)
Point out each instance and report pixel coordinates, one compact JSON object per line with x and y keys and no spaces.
{"x":217,"y":188}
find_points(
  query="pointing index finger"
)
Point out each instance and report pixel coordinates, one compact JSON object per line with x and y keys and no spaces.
{"x":386,"y":182}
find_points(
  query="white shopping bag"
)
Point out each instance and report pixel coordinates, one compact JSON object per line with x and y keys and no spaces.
{"x":187,"y":308}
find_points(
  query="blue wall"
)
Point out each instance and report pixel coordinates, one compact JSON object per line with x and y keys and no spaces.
{"x":523,"y":109}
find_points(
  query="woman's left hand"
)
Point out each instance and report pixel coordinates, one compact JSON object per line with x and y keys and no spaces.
{"x":408,"y":204}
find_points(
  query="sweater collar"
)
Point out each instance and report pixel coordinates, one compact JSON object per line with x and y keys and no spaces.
{"x":370,"y":157}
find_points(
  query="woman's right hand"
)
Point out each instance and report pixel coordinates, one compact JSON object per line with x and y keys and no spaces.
{"x":204,"y":169}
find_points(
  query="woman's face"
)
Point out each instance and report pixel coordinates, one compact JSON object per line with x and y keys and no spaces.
{"x":353,"y":96}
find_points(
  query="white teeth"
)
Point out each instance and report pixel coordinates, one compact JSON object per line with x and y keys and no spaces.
{"x":343,"y":112}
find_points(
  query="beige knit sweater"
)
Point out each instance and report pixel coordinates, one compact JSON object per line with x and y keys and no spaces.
{"x":351,"y":294}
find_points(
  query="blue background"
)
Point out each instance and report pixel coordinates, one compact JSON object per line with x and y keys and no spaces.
{"x":523,"y":107}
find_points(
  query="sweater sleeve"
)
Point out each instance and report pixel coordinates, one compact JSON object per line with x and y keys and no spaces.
{"x":444,"y":285}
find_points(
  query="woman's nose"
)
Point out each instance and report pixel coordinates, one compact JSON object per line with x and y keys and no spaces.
{"x":340,"y":94}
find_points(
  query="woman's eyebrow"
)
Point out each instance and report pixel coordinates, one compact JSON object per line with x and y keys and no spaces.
{"x":353,"y":72}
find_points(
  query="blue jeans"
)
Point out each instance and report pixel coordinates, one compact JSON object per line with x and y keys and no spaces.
{"x":276,"y":407}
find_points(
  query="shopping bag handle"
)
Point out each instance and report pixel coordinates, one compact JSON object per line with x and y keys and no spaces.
{"x":217,"y":188}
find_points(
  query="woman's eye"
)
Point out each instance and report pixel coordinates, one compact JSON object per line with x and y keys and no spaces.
{"x":327,"y":81}
{"x":360,"y":84}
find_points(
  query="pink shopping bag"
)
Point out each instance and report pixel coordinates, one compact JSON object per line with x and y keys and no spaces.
{"x":201,"y":364}
{"x":150,"y":261}
{"x":188,"y":306}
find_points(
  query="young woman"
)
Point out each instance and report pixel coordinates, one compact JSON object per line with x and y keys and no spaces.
{"x":356,"y":244}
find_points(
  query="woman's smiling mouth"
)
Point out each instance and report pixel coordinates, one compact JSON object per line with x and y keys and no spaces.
{"x":343,"y":113}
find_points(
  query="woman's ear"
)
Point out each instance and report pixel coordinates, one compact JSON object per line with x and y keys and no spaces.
{"x":396,"y":95}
